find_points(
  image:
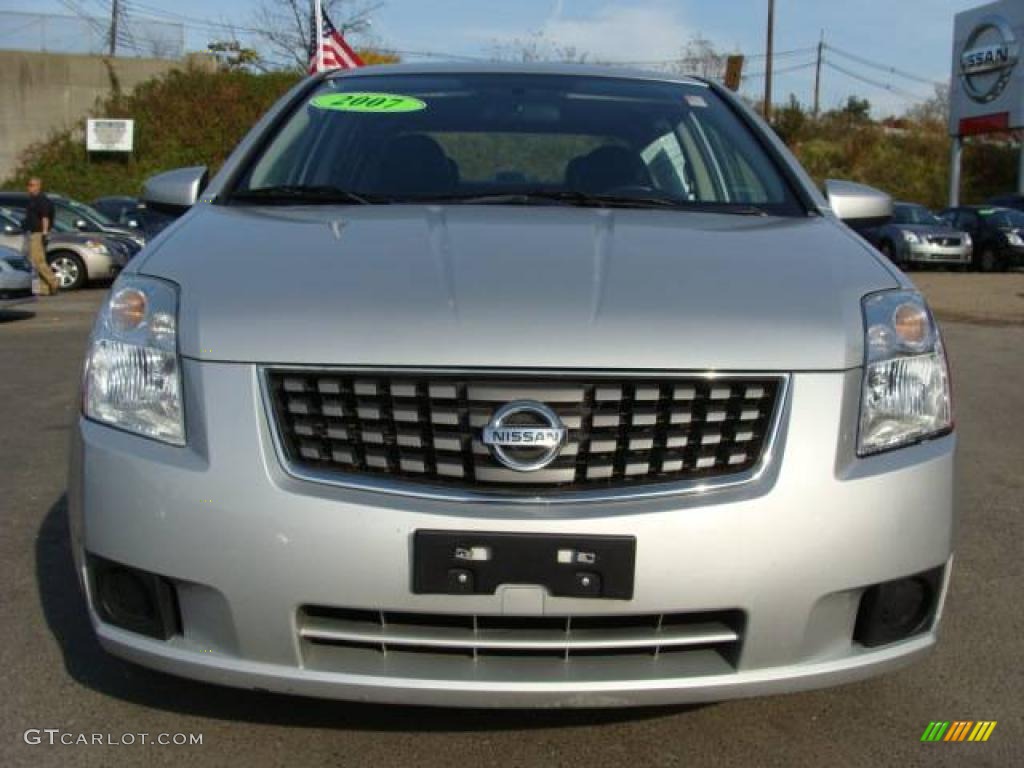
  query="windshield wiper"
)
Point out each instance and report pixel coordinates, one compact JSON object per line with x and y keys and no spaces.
{"x":299,"y":193}
{"x":584,"y":199}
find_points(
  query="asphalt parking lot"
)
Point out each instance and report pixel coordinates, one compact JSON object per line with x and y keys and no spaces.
{"x":56,"y":676}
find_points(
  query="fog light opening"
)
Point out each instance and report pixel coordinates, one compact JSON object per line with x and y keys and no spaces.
{"x":895,"y":610}
{"x":134,"y":599}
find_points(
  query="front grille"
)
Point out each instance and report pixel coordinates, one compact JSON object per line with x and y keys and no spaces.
{"x":428,"y":429}
{"x":947,"y":242}
{"x":350,"y":640}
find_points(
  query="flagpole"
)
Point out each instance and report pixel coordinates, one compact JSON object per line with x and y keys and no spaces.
{"x":318,"y":15}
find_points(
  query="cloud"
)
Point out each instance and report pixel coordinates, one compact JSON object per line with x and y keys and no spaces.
{"x":640,"y":32}
{"x":617,"y":33}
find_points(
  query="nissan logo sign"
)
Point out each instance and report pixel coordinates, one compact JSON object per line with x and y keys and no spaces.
{"x":525,"y":435}
{"x":988,"y":58}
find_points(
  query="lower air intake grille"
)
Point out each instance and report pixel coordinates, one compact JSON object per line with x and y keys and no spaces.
{"x":366,"y":635}
{"x":428,"y":429}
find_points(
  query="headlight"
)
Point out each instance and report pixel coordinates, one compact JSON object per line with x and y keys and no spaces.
{"x":97,"y":245}
{"x":132,"y":372}
{"x":967,"y":239}
{"x":1014,"y":239}
{"x":910,"y":237}
{"x":905,"y":394}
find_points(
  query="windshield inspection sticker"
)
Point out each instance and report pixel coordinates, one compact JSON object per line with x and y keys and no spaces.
{"x":368,"y":102}
{"x":695,"y":101}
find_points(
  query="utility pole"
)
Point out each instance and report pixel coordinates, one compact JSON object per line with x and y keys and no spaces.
{"x":768,"y":68}
{"x":115,"y":12}
{"x":817,"y":74}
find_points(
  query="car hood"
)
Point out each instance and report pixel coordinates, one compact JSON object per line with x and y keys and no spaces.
{"x":124,"y":232}
{"x":75,"y":238}
{"x":930,"y":230}
{"x":525,"y":287}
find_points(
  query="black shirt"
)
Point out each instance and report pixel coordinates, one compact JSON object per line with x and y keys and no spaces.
{"x":39,"y":207}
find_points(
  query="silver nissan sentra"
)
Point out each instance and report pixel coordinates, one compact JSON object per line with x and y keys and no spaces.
{"x":514,"y":386}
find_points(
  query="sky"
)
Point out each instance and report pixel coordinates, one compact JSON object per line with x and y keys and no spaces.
{"x":912,"y":36}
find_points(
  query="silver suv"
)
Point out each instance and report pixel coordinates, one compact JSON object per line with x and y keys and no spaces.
{"x":514,"y":386}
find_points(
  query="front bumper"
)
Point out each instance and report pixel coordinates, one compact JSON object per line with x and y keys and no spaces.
{"x":928,"y":253}
{"x":15,"y":288}
{"x":247,"y":546}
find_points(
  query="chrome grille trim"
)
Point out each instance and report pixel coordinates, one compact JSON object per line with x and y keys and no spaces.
{"x":508,"y":494}
{"x":567,"y":636}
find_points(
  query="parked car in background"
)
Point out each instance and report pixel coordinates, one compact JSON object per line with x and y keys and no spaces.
{"x":75,"y":258}
{"x":117,"y":208}
{"x":15,"y":278}
{"x":587,"y":397}
{"x":998,"y":234}
{"x":73,"y":216}
{"x":915,"y":237}
{"x":124,"y":247}
{"x":1007,"y":201}
{"x":131,"y":212}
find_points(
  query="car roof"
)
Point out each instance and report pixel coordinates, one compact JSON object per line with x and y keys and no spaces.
{"x":16,"y":195}
{"x":514,"y":68}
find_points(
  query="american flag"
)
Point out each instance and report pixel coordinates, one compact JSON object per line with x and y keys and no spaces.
{"x":328,"y":49}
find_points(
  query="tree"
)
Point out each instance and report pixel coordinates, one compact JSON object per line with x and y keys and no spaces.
{"x":538,"y":46}
{"x":700,"y":57}
{"x":935,"y":110}
{"x":284,"y":26}
{"x":856,"y":110}
{"x":790,"y":121}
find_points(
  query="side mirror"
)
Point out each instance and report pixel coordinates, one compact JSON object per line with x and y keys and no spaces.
{"x":858,"y":205}
{"x":10,"y":229}
{"x":176,"y":190}
{"x":82,"y":224}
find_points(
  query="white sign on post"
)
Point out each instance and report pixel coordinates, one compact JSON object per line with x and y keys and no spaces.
{"x":109,"y":135}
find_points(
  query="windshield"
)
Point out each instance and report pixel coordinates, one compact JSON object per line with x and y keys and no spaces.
{"x":1007,"y":219}
{"x":86,"y":212}
{"x":914,"y":214}
{"x":409,"y":138}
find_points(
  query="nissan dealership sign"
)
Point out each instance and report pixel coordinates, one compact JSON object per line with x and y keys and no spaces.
{"x":987,"y":87}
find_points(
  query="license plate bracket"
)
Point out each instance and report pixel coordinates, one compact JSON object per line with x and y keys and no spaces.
{"x":567,"y":565}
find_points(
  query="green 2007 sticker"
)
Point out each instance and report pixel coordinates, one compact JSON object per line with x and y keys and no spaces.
{"x":368,"y":102}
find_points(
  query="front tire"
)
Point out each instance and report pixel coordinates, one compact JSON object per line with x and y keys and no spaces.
{"x":889,"y":252}
{"x":69,"y":269}
{"x":988,"y":262}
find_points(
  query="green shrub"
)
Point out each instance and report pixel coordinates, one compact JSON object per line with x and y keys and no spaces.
{"x":187,"y":117}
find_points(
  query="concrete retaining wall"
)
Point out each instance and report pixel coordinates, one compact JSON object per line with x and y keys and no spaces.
{"x":45,"y":92}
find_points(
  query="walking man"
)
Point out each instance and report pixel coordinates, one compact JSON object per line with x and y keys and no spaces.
{"x":38,"y":222}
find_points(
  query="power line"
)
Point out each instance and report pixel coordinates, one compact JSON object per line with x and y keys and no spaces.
{"x":881,"y":67}
{"x":781,"y":54}
{"x":677,"y":59}
{"x":782,"y":71}
{"x":876,"y":83}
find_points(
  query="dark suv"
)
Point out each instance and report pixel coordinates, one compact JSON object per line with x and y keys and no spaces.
{"x":1007,"y":201}
{"x":998,"y":234}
